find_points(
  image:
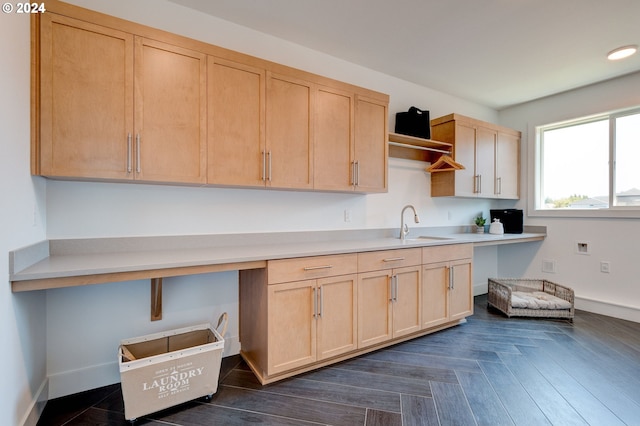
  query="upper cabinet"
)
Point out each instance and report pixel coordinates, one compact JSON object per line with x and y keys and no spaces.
{"x":289,"y":151}
{"x":118,"y":106}
{"x":170,"y":113}
{"x":114,"y":100}
{"x":508,"y":165}
{"x":371,"y":149}
{"x":236,"y":124}
{"x":490,"y":154}
{"x":86,"y":100}
{"x":333,"y":168}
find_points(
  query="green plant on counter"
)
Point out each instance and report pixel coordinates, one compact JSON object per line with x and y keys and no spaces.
{"x":480,"y":221}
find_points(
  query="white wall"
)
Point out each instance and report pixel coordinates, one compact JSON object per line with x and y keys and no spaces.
{"x":22,"y":316}
{"x":614,"y":240}
{"x":84,"y":325}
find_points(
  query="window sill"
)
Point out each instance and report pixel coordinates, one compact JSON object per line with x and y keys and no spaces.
{"x":616,"y":213}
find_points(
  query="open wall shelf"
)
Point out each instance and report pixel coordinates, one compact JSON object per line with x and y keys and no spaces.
{"x":412,"y":148}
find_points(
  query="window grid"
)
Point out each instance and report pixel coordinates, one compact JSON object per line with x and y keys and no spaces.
{"x":603,"y":159}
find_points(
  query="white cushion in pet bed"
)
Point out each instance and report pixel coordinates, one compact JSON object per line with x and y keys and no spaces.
{"x":537,"y":300}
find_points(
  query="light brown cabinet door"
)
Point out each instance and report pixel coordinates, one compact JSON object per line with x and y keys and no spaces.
{"x":236,"y":107}
{"x":337,"y":319}
{"x":460,"y":291}
{"x":170,"y":113}
{"x":507,"y":166}
{"x":406,"y":300}
{"x":289,"y":150}
{"x":465,"y":147}
{"x":435,"y":289}
{"x":371,"y":148}
{"x":446,"y":292}
{"x":86,"y":100}
{"x":291,"y":330}
{"x":333,"y":145}
{"x":485,"y":162}
{"x":374,"y":308}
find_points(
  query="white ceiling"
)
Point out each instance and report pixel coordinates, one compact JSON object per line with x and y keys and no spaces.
{"x":494,"y":52}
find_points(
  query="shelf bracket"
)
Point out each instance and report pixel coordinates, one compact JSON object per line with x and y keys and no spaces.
{"x":156,"y":299}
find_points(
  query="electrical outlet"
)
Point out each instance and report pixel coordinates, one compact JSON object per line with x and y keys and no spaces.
{"x":347,"y":215}
{"x":605,"y":266}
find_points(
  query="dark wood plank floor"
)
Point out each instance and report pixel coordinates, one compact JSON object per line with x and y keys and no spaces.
{"x":488,"y":371}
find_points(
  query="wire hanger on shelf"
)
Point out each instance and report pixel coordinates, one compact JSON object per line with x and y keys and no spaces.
{"x":444,"y":164}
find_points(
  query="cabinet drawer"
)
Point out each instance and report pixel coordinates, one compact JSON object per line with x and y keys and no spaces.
{"x":305,"y":268}
{"x":446,"y":253}
{"x":377,"y":260}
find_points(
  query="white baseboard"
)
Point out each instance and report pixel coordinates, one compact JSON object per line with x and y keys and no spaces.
{"x":36,"y":407}
{"x":83,"y":379}
{"x":480,"y":288}
{"x":96,"y":376}
{"x":629,"y":313}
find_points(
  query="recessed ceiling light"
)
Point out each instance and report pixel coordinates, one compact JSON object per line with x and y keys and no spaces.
{"x":622,"y":52}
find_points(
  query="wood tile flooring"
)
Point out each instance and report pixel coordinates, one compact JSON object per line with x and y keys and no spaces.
{"x":488,"y":371}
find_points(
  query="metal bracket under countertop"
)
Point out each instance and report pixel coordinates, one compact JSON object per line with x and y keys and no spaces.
{"x":156,"y":299}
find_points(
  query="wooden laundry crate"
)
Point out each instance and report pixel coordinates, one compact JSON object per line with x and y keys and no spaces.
{"x":560,"y":298}
{"x":161,"y":370}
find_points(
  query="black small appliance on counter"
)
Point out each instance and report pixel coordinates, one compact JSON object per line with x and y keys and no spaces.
{"x":511,"y":219}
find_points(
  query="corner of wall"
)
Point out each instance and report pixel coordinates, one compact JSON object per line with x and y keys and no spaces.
{"x":37,"y":406}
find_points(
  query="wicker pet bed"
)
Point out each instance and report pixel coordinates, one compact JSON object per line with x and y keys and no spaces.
{"x":531,"y":298}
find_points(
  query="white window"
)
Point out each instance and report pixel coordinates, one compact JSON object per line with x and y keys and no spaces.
{"x":589,"y":164}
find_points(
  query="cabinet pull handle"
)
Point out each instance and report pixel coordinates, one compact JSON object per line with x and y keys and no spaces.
{"x":353,"y":173}
{"x":391,"y":288}
{"x":321,"y":302}
{"x":315,"y":302}
{"x":393,"y":259}
{"x":477,"y":184}
{"x":138,"y":166}
{"x":395,"y":288}
{"x":450,"y":278}
{"x":129,"y":154}
{"x":312,"y":268}
{"x":269,"y":156}
{"x":264,"y":166}
{"x":499,"y":185}
{"x":357,"y":174}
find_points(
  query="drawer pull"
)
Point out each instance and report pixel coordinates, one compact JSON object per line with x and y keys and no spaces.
{"x":393,"y":259}
{"x":313,"y":268}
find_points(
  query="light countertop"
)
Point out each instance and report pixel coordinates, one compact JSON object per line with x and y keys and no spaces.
{"x":64,"y":259}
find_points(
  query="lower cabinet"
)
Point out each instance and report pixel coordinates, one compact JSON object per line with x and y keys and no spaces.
{"x":309,"y":321}
{"x":298,"y":312}
{"x":446,"y":284}
{"x":388,"y":303}
{"x":303,"y":313}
